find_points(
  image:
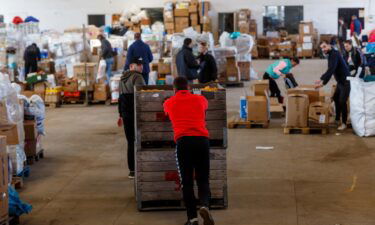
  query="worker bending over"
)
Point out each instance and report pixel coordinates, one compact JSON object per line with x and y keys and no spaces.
{"x":276,"y":70}
{"x":131,"y":78}
{"x":187,"y":113}
{"x":338,"y":68}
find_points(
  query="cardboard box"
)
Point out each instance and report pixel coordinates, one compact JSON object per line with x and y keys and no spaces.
{"x":164,"y":68}
{"x":193,"y":8}
{"x":309,"y":90}
{"x":40,"y":89}
{"x":297,"y":110}
{"x":3,"y":180}
{"x":31,"y":132}
{"x":70,"y":85}
{"x":3,"y":114}
{"x":244,"y":68}
{"x":79,"y":71}
{"x":276,"y":109}
{"x":169,"y":26}
{"x":198,"y":28}
{"x":306,"y":28}
{"x":204,"y":8}
{"x":145,"y":21}
{"x":181,"y":12}
{"x":319,"y":114}
{"x":101,"y":92}
{"x":11,"y":132}
{"x":260,"y":87}
{"x":31,"y":147}
{"x":194,"y":17}
{"x":257,"y":108}
{"x":232,"y":70}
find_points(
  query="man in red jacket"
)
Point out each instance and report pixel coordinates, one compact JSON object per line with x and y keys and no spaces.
{"x":187,"y":112}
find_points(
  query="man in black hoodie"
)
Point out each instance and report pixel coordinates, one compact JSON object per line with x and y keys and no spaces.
{"x":131,"y":78}
{"x":186,"y":64}
{"x":338,"y":68}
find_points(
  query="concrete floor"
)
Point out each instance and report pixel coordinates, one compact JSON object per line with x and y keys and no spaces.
{"x":305,"y":180}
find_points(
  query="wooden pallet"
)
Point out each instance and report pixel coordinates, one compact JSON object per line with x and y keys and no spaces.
{"x":178,"y":205}
{"x":35,"y":158}
{"x":232,"y":84}
{"x":243,"y":123}
{"x":52,"y":105}
{"x":107,"y":102}
{"x":306,"y":130}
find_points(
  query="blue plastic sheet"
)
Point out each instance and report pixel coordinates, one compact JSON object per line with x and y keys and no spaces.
{"x":16,"y":206}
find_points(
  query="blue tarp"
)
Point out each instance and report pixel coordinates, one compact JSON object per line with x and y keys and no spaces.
{"x":16,"y":206}
{"x":31,"y":19}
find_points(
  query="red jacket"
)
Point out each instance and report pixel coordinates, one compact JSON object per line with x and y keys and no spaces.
{"x":372,"y":36}
{"x":188,"y":114}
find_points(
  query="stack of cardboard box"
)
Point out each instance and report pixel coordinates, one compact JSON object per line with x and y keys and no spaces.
{"x":232,"y":71}
{"x":53,"y":95}
{"x":273,"y":46}
{"x":79,"y":74}
{"x":258,"y":105}
{"x":169,"y":18}
{"x":101,"y":92}
{"x":181,"y":13}
{"x":305,"y":47}
{"x":194,"y":16}
{"x":307,"y":107}
{"x":184,"y":14}
{"x":262,"y":47}
{"x":31,"y":138}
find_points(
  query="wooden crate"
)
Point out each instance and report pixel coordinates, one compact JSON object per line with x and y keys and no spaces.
{"x":155,"y":130}
{"x":158,"y":183}
{"x":157,"y":179}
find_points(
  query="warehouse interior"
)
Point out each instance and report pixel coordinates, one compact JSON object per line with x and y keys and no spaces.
{"x":273,"y":159}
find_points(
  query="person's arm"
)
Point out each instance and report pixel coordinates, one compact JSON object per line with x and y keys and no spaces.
{"x":213,"y":68}
{"x":279,"y":67}
{"x":332,"y":65}
{"x":149,"y":53}
{"x":190,"y":61}
{"x":129,"y":56}
{"x":139,"y":81}
{"x":38,"y":54}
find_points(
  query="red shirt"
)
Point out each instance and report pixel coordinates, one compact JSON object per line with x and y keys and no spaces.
{"x":188,"y":114}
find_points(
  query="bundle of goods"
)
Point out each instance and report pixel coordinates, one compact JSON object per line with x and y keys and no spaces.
{"x":135,"y":19}
{"x":308,"y":39}
{"x":243,"y":44}
{"x":181,"y":15}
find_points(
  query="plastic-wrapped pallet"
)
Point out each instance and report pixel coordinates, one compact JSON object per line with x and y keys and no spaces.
{"x":362,"y":107}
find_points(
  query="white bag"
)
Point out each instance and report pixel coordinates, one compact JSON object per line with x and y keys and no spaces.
{"x":362,"y":107}
{"x":101,"y":70}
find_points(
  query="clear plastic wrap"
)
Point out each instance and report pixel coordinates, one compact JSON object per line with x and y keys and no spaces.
{"x":9,"y":102}
{"x":37,"y":109}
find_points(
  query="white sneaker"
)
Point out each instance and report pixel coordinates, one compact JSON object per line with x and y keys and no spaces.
{"x":342,"y":127}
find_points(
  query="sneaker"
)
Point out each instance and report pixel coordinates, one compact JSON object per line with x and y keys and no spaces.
{"x":206,"y":215}
{"x":192,"y":222}
{"x":131,"y":175}
{"x":342,"y":127}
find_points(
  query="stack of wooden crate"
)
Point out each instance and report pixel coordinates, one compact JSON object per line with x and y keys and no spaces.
{"x":157,"y":179}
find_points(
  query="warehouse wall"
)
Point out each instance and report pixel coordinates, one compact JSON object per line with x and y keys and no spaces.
{"x":61,"y":14}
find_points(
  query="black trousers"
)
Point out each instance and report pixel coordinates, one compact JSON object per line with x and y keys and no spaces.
{"x":341,"y":98}
{"x":127,"y":102}
{"x":275,"y":91}
{"x":146,"y":77}
{"x":193,"y":156}
{"x":31,"y":67}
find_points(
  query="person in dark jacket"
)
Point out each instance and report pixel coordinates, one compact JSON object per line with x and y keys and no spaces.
{"x":355,"y":26}
{"x":31,"y":57}
{"x":139,"y":49}
{"x":108,"y":55}
{"x":208,"y":68}
{"x":342,"y":32}
{"x":130,"y":78}
{"x":353,"y":58}
{"x":338,"y":68}
{"x":186,"y":64}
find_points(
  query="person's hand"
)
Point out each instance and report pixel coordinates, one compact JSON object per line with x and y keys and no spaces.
{"x":318,"y":84}
{"x":283,"y":76}
{"x":120,"y":122}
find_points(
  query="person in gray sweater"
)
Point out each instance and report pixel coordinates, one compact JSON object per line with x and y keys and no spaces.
{"x":130,"y":78}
